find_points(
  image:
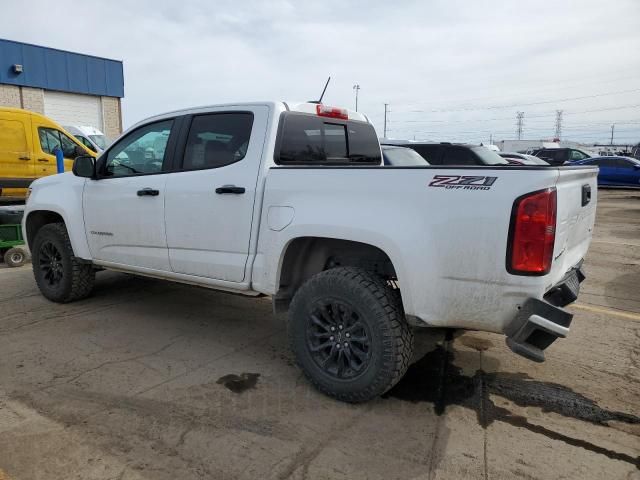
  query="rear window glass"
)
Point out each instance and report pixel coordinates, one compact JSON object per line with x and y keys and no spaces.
{"x":459,"y":156}
{"x":428,"y":152}
{"x":489,"y":157}
{"x":308,"y":139}
{"x":402,"y":157}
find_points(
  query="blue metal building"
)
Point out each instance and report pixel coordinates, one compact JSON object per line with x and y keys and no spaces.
{"x":71,"y":88}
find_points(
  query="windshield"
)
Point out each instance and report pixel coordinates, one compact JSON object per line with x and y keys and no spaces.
{"x":489,"y":157}
{"x":402,"y":157}
{"x":99,"y":140}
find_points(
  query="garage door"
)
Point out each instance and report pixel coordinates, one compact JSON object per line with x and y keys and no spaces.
{"x":73,"y":109}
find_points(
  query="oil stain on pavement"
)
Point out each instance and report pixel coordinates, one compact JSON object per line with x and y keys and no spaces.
{"x":436,"y":368}
{"x":239,"y":383}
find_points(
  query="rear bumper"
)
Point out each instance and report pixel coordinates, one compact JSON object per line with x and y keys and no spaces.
{"x":540,"y":322}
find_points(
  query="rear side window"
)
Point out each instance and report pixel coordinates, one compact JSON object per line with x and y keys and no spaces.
{"x":217,"y":139}
{"x":311,"y":140}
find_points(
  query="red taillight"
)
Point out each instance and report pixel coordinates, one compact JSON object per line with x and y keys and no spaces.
{"x":332,"y":112}
{"x":532,"y":234}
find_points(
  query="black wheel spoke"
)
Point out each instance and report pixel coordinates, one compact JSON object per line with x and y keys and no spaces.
{"x":322,"y":346}
{"x":338,"y":340}
{"x":358,"y":352}
{"x":317,"y":321}
{"x":50,"y":264}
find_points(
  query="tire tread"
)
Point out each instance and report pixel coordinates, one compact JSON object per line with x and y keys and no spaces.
{"x":82,"y":274}
{"x":397,"y":335}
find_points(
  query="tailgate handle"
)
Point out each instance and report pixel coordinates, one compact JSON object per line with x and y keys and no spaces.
{"x":586,"y":194}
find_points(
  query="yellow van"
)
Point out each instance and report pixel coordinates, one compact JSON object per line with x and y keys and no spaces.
{"x":27,"y":142}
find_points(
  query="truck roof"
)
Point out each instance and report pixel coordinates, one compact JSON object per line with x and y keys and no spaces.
{"x":302,"y":107}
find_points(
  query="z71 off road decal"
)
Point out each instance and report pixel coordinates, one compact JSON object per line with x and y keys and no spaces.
{"x":464,"y":182}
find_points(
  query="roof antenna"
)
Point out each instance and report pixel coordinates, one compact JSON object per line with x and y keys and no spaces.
{"x":323,"y":90}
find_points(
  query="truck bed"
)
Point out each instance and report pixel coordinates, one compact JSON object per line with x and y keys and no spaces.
{"x":444,"y":229}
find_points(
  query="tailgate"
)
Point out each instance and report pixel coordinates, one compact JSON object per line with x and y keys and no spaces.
{"x":577,"y":191}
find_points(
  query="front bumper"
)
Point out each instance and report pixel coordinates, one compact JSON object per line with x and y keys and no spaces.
{"x":540,"y":322}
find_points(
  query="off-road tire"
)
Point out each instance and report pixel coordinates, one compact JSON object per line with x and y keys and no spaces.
{"x":15,"y":257}
{"x":77,"y":277}
{"x":378,"y":306}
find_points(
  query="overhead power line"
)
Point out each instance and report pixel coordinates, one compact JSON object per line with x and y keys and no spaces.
{"x":514,"y":105}
{"x":545,"y":90}
{"x":546,"y":115}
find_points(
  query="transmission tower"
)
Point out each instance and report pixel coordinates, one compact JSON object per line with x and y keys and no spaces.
{"x":558,"y":124}
{"x":519,"y":124}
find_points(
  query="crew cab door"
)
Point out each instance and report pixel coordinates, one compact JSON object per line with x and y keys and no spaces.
{"x":124,"y":207}
{"x":210,"y":200}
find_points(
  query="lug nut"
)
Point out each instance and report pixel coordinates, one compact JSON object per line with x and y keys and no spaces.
{"x":333,"y":329}
{"x":346,"y":344}
{"x":340,"y":327}
{"x":347,"y":335}
{"x":331,"y":338}
{"x":337,"y":345}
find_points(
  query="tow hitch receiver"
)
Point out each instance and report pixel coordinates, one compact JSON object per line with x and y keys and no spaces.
{"x":535,"y":327}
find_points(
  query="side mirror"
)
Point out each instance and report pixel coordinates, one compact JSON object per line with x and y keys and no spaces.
{"x":84,"y":166}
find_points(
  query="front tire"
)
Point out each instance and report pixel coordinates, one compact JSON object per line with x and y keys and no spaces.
{"x":61,"y":277}
{"x":349,"y":335}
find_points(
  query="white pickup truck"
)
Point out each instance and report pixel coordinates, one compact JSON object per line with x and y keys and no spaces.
{"x":292,"y":201}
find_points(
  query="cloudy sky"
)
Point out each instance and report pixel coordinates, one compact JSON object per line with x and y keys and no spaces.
{"x":449,"y":70}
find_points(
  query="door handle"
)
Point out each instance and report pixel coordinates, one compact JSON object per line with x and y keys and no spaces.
{"x":148,"y":192}
{"x":230,"y":189}
{"x":24,"y":158}
{"x":43,"y":160}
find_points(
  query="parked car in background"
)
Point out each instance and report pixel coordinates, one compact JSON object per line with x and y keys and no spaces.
{"x":558,"y":156}
{"x":90,"y":137}
{"x":493,"y":148}
{"x":451,"y":153}
{"x":522,"y":159}
{"x":615,"y":171}
{"x":255,"y":199}
{"x":27,"y":143}
{"x":402,"y":157}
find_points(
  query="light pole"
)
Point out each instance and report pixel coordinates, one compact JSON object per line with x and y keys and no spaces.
{"x":356,"y":88}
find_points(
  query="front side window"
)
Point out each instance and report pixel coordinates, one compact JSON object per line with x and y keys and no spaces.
{"x":143,"y":151}
{"x":99,"y":140}
{"x":216,"y":140}
{"x":50,"y":139}
{"x":85,"y":142}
